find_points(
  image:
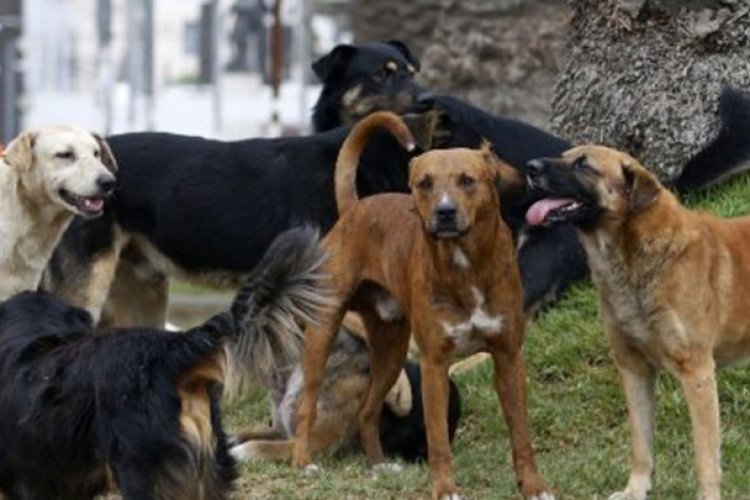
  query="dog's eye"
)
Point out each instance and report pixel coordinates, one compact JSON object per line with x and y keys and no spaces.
{"x":580,"y":163}
{"x":466,"y":181}
{"x":96,"y":154}
{"x":425,"y":183}
{"x":64,"y":155}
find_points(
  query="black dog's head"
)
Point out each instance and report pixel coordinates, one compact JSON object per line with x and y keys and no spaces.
{"x":360,"y":79}
{"x":589,"y":186}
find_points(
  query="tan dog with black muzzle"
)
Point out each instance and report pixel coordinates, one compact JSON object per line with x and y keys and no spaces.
{"x":439,"y":264}
{"x":674,"y":292}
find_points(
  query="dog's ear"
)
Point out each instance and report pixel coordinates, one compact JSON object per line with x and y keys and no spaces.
{"x":506,"y":178}
{"x":423,"y":127}
{"x":108,"y":159}
{"x":20,"y":152}
{"x":412,"y":164}
{"x":642,"y":187}
{"x":331,"y":64}
{"x":404,"y":49}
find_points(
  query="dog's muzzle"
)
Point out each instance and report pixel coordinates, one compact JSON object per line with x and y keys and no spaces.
{"x":445,"y":219}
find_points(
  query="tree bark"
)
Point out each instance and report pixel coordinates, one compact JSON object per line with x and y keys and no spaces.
{"x":411,"y":21}
{"x":645,"y":75}
{"x":502,"y":55}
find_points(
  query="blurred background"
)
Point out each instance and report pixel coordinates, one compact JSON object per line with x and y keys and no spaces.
{"x":189,"y":66}
{"x":212,"y":67}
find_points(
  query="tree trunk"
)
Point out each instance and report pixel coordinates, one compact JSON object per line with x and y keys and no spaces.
{"x":644,"y":75}
{"x":502,"y":55}
{"x":411,"y":21}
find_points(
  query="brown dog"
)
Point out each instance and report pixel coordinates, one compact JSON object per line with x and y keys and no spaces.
{"x":673,"y":291}
{"x":439,"y":263}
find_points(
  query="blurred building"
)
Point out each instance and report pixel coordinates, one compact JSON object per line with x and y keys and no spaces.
{"x":11,"y":77}
{"x":62,"y":49}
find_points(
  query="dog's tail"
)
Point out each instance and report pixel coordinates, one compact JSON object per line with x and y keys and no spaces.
{"x":263,"y":329}
{"x":729,"y":153}
{"x":285,"y":290}
{"x":351,"y":150}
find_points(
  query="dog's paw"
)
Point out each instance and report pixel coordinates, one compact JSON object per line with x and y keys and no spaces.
{"x":388,"y":468}
{"x":240,"y":452}
{"x":637,"y":489}
{"x":311,"y":470}
{"x":626,"y":495}
{"x":545,"y":495}
{"x":452,"y":496}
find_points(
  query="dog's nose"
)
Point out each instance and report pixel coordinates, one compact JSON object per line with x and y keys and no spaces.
{"x":534,"y":168}
{"x":424,"y":96}
{"x":106,"y":183}
{"x":445,"y":212}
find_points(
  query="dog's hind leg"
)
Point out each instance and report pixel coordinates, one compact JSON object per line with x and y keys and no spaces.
{"x":138,"y":294}
{"x":318,"y":344}
{"x":389,"y":343}
{"x":638,"y":380}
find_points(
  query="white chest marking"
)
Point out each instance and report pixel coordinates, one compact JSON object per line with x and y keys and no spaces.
{"x":469,"y":334}
{"x":460,"y":259}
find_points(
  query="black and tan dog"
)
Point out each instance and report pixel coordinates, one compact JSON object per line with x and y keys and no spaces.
{"x":347,"y":376}
{"x":360,"y":79}
{"x":674,"y":291}
{"x":139,"y":406}
{"x":438,"y":263}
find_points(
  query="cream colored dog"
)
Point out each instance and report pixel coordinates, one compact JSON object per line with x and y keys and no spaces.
{"x":47,"y":176}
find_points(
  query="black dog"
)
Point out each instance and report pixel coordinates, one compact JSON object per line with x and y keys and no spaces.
{"x":139,"y":406}
{"x":358,"y":80}
{"x":550,"y":257}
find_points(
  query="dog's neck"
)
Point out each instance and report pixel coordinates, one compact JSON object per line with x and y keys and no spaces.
{"x":643,"y":241}
{"x":30,"y":227}
{"x":469,"y":255}
{"x":326,"y":112}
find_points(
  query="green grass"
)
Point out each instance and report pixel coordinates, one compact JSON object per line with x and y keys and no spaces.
{"x":577,"y":413}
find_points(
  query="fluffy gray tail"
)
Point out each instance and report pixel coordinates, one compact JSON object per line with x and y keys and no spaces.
{"x":285,"y":290}
{"x":729,"y":153}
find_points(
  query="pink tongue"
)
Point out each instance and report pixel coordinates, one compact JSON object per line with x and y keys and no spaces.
{"x":93,"y":204}
{"x":537,"y":212}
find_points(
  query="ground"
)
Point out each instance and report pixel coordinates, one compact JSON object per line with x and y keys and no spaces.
{"x":577,"y":413}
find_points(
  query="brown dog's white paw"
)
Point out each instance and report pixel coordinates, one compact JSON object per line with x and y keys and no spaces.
{"x":388,"y":468}
{"x":545,"y":495}
{"x":311,"y":470}
{"x":452,"y":496}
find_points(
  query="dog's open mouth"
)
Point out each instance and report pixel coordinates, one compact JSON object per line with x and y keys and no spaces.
{"x":90,"y":206}
{"x":548,"y":210}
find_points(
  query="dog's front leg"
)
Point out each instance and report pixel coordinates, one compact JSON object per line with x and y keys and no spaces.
{"x":510,"y":384}
{"x":638,"y":379}
{"x":435,"y":390}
